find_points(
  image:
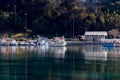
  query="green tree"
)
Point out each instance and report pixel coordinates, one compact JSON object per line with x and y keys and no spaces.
{"x":16,"y":23}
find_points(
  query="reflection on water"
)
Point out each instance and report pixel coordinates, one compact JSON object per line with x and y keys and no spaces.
{"x":58,"y":52}
{"x":85,"y":62}
{"x":41,"y":51}
{"x":95,"y":52}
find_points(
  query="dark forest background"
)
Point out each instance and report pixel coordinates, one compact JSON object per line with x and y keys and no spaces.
{"x":59,"y":17}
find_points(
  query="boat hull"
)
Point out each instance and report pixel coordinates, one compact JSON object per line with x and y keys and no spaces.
{"x":108,"y":44}
{"x":57,"y":44}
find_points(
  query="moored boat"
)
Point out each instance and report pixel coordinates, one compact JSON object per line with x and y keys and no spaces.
{"x":57,"y":42}
{"x":3,"y":42}
{"x":26,"y":43}
{"x":116,"y":43}
{"x":42,"y":42}
{"x":13,"y":43}
{"x":108,"y":44}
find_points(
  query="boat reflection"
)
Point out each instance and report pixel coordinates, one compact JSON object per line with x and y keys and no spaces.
{"x":14,"y":52}
{"x":113,"y":54}
{"x":58,"y":52}
{"x":41,"y":51}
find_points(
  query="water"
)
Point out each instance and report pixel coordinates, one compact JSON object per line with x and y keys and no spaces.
{"x":85,"y":62}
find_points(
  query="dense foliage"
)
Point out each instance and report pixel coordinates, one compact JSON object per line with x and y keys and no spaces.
{"x":55,"y":17}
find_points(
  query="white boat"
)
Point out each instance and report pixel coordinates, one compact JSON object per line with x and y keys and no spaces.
{"x":116,"y":44}
{"x":25,"y":43}
{"x":4,"y":42}
{"x":113,"y":42}
{"x":57,"y":42}
{"x":42,"y":42}
{"x":13,"y":43}
{"x":22,"y":43}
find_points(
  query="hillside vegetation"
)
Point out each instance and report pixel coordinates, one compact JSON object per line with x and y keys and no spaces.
{"x":58,"y":18}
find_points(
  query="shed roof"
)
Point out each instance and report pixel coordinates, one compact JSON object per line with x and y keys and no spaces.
{"x":96,"y":33}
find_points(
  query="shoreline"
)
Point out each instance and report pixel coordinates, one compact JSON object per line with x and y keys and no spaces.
{"x":77,"y":43}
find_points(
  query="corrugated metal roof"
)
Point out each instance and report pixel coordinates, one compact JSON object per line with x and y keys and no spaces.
{"x":96,"y":33}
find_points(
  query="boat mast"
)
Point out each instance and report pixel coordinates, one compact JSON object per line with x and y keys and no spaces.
{"x":26,"y":25}
{"x":73,"y":25}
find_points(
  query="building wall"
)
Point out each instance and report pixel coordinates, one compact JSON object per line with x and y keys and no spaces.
{"x":94,"y":38}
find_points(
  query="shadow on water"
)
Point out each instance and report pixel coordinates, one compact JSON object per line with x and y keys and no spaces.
{"x":86,"y":62}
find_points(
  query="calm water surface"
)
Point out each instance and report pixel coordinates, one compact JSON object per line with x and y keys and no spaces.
{"x":85,"y":62}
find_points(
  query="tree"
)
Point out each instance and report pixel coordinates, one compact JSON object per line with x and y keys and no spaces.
{"x":69,"y":4}
{"x":16,"y":23}
{"x":40,"y":26}
{"x":113,"y":32}
{"x":4,"y":21}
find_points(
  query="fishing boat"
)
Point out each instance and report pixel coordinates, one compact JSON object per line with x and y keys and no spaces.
{"x":42,"y":42}
{"x":13,"y":43}
{"x":26,"y":43}
{"x":116,"y":43}
{"x":57,"y":42}
{"x":22,"y":43}
{"x":3,"y":41}
{"x":111,"y":42}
